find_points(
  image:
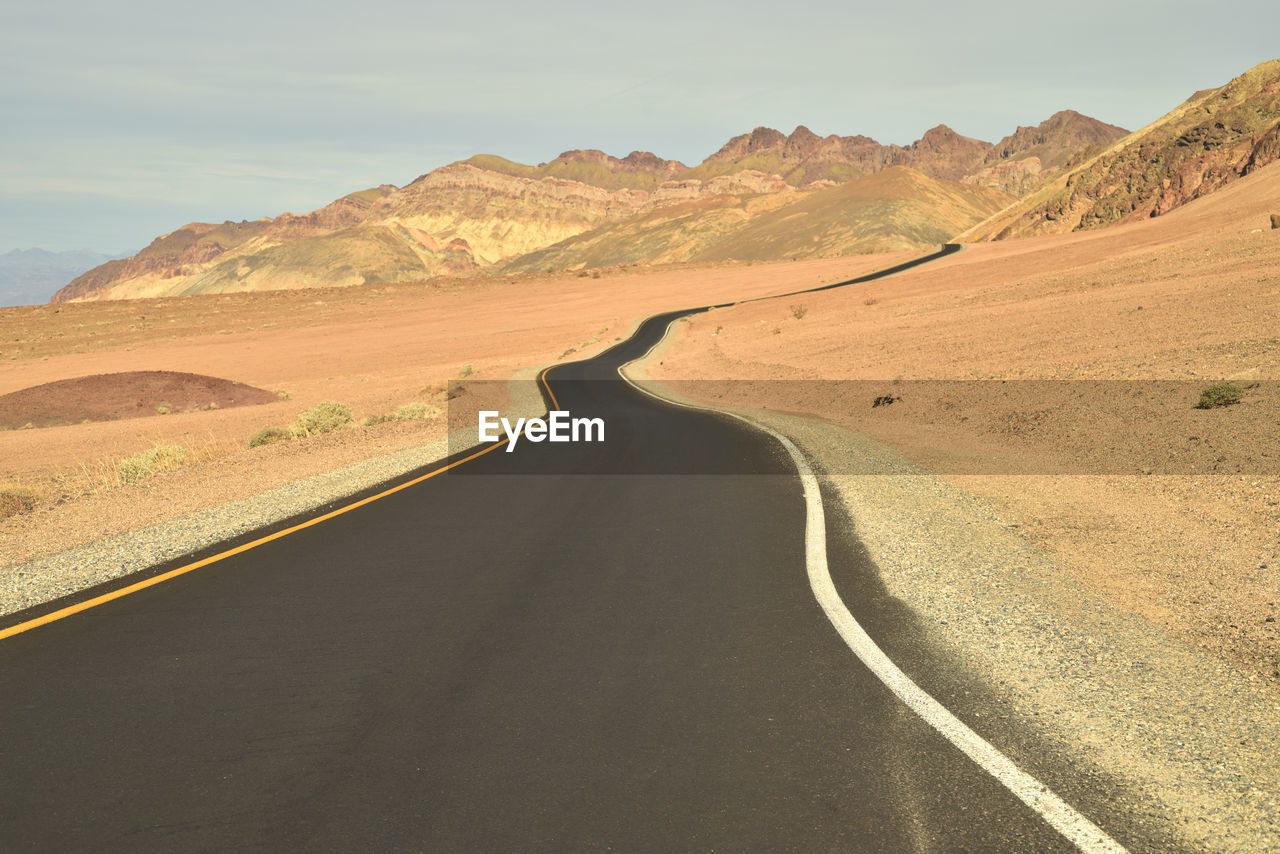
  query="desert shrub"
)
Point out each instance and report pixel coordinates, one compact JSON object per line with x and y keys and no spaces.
{"x":1219,"y":394}
{"x":150,"y":462}
{"x":374,"y":420}
{"x":465,"y":372}
{"x":213,"y":404}
{"x":163,"y":409}
{"x":281,"y":394}
{"x":416,"y":412}
{"x":269,"y":435}
{"x":15,"y":500}
{"x":798,"y":312}
{"x":325,"y":417}
{"x":870,"y":301}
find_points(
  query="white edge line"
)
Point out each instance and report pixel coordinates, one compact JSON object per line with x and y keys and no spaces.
{"x":1080,"y":831}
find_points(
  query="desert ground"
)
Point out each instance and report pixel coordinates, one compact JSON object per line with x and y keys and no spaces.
{"x":1187,"y":298}
{"x":374,"y":349}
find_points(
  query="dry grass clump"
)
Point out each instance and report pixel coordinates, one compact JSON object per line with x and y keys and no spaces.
{"x":269,"y":435}
{"x":113,"y":472}
{"x":15,"y":500}
{"x":152,"y":461}
{"x":434,"y":390}
{"x":416,"y":412}
{"x":408,"y":412}
{"x":325,"y":417}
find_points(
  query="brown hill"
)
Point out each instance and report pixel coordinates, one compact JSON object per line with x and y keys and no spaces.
{"x":1056,"y":139}
{"x":130,"y":394}
{"x":1208,"y":142}
{"x":943,"y":153}
{"x":639,"y":170}
{"x":1021,"y":161}
{"x":891,"y":210}
{"x":451,"y":221}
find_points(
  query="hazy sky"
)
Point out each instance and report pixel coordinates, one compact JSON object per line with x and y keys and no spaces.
{"x":123,"y":120}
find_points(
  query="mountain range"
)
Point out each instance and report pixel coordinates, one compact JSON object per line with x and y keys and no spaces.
{"x":585,"y":208}
{"x":763,"y":195}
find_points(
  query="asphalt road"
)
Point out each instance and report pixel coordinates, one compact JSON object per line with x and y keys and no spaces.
{"x":580,"y":647}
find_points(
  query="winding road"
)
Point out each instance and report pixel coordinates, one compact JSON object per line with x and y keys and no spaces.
{"x":574,"y":647}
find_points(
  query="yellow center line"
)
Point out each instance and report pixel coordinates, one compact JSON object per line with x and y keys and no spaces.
{"x":555,"y":404}
{"x":62,"y":613}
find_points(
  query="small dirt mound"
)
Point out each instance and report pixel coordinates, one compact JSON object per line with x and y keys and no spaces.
{"x":132,"y":394}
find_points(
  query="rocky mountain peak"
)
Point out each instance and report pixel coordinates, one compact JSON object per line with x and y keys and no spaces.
{"x":636,"y":161}
{"x":650,"y":162}
{"x":943,"y":153}
{"x":942,"y":138}
{"x":802,"y":142}
{"x":583,"y":155}
{"x":763,"y":137}
{"x":802,"y":133}
{"x":1056,"y":138}
{"x":760,"y":139}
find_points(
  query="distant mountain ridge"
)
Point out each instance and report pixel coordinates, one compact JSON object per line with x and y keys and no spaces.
{"x":489,"y":213}
{"x":32,"y":276}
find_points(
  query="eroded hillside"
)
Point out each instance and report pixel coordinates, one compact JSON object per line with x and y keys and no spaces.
{"x":1216,"y":137}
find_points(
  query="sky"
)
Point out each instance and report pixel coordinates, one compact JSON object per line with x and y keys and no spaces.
{"x":121,"y":121}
